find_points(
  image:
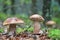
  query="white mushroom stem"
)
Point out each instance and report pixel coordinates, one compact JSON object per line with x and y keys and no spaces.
{"x":51,"y":26}
{"x":36,"y":27}
{"x":54,"y":26}
{"x":5,"y":30}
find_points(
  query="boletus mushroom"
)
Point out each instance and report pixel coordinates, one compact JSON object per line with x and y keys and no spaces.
{"x":50,"y":24}
{"x":11,"y":22}
{"x":36,"y":22}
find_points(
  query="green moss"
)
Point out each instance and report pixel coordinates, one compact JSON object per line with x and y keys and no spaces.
{"x":54,"y":33}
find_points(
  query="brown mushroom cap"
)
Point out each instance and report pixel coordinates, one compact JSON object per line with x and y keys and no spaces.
{"x":36,"y":17}
{"x":13,"y":20}
{"x":50,"y":23}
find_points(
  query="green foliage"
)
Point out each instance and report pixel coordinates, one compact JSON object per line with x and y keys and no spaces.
{"x":21,"y":2}
{"x":57,"y":20}
{"x":1,"y":0}
{"x":19,"y":30}
{"x":55,"y":8}
{"x":8,"y":2}
{"x":24,"y":17}
{"x":3,"y":16}
{"x":30,"y":29}
{"x":54,"y":33}
{"x":1,"y":30}
{"x":25,"y":1}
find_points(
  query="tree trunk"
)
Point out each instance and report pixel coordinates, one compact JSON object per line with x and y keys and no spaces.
{"x":46,"y":10}
{"x":58,"y":1}
{"x":13,"y":8}
{"x":34,"y":8}
{"x":5,"y":6}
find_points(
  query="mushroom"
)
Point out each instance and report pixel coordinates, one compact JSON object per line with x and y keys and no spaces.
{"x":11,"y":22}
{"x":36,"y":22}
{"x":50,"y":24}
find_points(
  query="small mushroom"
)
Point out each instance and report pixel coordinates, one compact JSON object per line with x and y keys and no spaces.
{"x":12,"y":23}
{"x":50,"y":24}
{"x":36,"y":22}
